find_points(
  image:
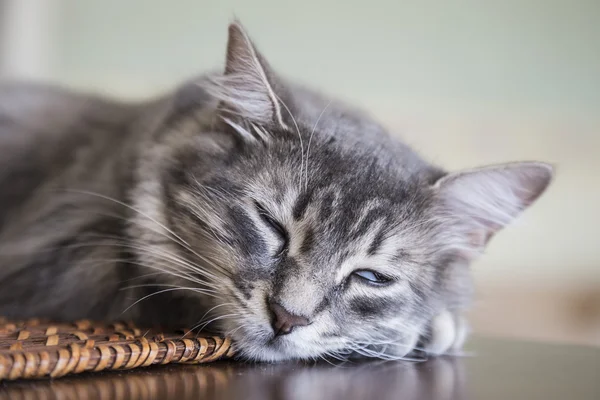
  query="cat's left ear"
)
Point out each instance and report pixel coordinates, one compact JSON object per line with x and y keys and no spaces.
{"x":485,"y":200}
{"x":246,"y":89}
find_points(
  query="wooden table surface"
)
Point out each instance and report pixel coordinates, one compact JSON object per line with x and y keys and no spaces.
{"x":498,"y":370}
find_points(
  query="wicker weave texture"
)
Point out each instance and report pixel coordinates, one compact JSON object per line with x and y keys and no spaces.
{"x":37,"y":349}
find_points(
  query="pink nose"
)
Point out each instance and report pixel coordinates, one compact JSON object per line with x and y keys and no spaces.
{"x":284,"y":321}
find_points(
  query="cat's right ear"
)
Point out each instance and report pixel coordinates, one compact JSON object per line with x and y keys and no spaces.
{"x":484,"y":200}
{"x":248,"y":102}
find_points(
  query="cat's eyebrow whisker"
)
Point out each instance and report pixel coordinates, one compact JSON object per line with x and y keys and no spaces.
{"x":261,"y":133}
{"x":309,"y":142}
{"x":299,"y":137}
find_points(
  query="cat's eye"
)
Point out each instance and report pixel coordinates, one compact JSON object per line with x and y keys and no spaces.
{"x":371,"y":277}
{"x":274,"y":225}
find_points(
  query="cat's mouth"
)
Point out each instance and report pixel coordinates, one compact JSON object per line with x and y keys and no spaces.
{"x":283,"y":343}
{"x":278,"y":342}
{"x":262,"y":344}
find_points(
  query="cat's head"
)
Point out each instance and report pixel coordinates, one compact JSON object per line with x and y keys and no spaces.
{"x":307,"y":228}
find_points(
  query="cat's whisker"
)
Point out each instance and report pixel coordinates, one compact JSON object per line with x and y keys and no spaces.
{"x":232,"y":332}
{"x":204,"y":216}
{"x":214,"y":308}
{"x":125,"y":219}
{"x":371,"y":353}
{"x":175,"y":258}
{"x":181,"y":242}
{"x":344,"y":357}
{"x":324,"y":358}
{"x":208,"y":312}
{"x":310,"y":141}
{"x":151,"y":252}
{"x":201,"y":325}
{"x":299,"y":137}
{"x":218,"y":193}
{"x":199,"y":290}
{"x":121,"y":203}
{"x":157,"y":293}
{"x":97,"y":262}
{"x":141,"y":276}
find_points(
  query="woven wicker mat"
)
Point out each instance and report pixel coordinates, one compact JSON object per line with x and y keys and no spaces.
{"x":37,"y":349}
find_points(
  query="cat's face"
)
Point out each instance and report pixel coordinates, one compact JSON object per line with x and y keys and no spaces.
{"x":309,"y":231}
{"x":344,"y":242}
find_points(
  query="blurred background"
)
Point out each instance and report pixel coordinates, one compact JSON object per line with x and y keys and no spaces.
{"x":466,"y":82}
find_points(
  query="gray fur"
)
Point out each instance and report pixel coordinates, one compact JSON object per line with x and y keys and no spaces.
{"x":149,"y":212}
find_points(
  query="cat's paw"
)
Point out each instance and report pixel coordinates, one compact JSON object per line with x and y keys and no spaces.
{"x":446,"y":333}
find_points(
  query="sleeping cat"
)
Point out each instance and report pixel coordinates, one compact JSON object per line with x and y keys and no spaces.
{"x":244,"y":203}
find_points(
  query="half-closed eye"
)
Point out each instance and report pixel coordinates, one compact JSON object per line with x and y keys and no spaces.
{"x":371,"y":277}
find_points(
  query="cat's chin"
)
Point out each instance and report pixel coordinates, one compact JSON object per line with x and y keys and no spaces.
{"x":274,"y":349}
{"x":262,"y":346}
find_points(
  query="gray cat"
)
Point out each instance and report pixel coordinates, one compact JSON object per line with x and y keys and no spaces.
{"x":242,"y":202}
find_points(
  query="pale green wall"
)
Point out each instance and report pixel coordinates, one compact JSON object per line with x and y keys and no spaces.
{"x":535,"y":53}
{"x":468,"y":81}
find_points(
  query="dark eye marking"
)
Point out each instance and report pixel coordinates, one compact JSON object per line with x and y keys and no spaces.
{"x":275,"y":226}
{"x":377,"y":242}
{"x":309,"y":241}
{"x":368,"y":307}
{"x":301,"y":205}
{"x":371,"y":277}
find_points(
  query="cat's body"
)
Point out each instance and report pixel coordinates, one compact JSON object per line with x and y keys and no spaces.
{"x":54,"y":142}
{"x":297,"y":222}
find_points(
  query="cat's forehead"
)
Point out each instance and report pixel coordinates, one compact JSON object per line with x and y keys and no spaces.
{"x":349,"y":214}
{"x":351,"y":183}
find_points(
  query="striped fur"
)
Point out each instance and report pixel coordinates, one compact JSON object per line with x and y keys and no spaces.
{"x":156,"y":212}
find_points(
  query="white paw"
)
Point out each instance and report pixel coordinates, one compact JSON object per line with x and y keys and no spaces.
{"x":448,"y":332}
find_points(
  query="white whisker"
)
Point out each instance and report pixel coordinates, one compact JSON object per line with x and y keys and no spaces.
{"x":309,"y":142}
{"x":299,"y":137}
{"x":156,"y":293}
